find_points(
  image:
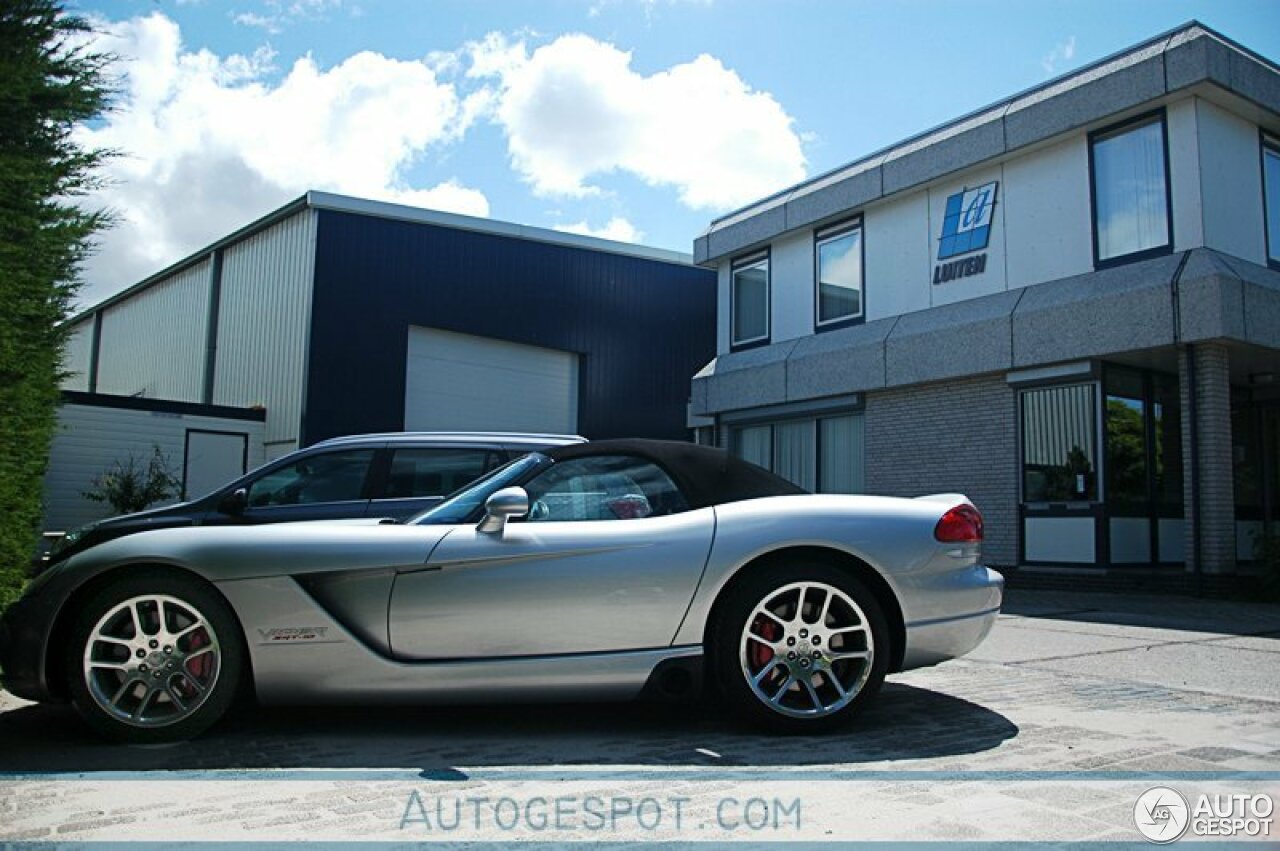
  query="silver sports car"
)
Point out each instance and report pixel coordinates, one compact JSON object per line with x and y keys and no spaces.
{"x":599,"y":570}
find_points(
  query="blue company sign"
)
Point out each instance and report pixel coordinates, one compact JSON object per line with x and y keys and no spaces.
{"x":966,"y":228}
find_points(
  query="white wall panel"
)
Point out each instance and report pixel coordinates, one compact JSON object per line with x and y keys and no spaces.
{"x":263,"y":325}
{"x":723,"y":280}
{"x":898,"y":255}
{"x":791,"y":290}
{"x":89,"y":438}
{"x":1130,"y":540}
{"x":1231,"y":183}
{"x":1047,"y":220}
{"x":76,"y":356}
{"x":1069,"y":540}
{"x":1172,"y":539}
{"x":1184,"y":175}
{"x":153,"y":344}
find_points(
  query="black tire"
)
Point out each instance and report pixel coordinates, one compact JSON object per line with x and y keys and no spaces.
{"x":731,"y":655}
{"x":170,"y":680}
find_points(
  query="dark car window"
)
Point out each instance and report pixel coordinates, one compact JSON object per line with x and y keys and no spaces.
{"x":324,"y":477}
{"x":436,"y":472}
{"x":603,"y":488}
{"x":464,"y":505}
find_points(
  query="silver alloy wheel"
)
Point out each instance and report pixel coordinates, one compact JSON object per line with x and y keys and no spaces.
{"x":807,"y":650}
{"x":152,"y":661}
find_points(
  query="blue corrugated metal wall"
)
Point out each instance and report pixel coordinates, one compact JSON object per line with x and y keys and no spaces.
{"x":642,"y":327}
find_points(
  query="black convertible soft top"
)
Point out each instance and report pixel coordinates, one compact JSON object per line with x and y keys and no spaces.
{"x":705,"y":475}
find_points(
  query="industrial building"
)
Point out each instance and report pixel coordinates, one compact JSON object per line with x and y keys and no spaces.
{"x":1066,"y":305}
{"x":335,"y":315}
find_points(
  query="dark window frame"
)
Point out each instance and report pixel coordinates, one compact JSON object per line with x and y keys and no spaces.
{"x":1118,"y":129}
{"x":746,"y":261}
{"x":1267,"y":144}
{"x":1097,"y":425}
{"x":827,"y":234}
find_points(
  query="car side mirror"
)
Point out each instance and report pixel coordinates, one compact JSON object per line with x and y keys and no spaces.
{"x":500,"y":507}
{"x":235,"y":502}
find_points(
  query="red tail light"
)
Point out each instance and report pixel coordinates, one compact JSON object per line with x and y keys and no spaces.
{"x":960,"y":525}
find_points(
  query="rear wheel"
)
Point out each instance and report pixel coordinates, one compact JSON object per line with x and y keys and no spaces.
{"x":155,"y":657}
{"x":800,"y":648}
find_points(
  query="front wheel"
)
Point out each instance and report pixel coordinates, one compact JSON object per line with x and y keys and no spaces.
{"x":800,"y":648}
{"x":154,"y":657}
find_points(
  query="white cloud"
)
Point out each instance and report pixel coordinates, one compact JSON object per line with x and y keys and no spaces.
{"x":617,"y":228}
{"x":210,"y":143}
{"x":271,"y":23}
{"x":1061,"y":53}
{"x":277,"y":14}
{"x":574,"y":109}
{"x":647,"y":6}
{"x":450,"y":195}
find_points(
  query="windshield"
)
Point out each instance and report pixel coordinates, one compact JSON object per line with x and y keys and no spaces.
{"x":457,"y":507}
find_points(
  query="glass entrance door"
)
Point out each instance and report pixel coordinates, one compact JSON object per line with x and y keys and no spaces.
{"x":1102,"y":471}
{"x":1143,"y":468}
{"x":1255,"y":441}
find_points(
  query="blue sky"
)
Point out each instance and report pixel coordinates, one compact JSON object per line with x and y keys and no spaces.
{"x":633,"y":119}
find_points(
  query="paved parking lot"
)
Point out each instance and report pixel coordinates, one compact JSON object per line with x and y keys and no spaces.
{"x":1075,"y":705}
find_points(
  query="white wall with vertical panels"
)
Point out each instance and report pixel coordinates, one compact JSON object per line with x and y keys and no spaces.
{"x":263,"y":325}
{"x":90,"y":438}
{"x":77,"y":354}
{"x":153,"y":343}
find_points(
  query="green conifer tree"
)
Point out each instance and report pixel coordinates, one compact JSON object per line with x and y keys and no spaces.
{"x":50,"y":80}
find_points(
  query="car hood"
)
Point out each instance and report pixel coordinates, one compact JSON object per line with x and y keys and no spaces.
{"x":141,"y":517}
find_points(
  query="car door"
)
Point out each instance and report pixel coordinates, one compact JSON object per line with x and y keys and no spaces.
{"x":608,"y":560}
{"x":318,"y":486}
{"x":418,"y":477}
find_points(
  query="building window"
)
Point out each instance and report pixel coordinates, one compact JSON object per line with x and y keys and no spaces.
{"x":1271,"y":197}
{"x":839,"y":274}
{"x":749,"y":297}
{"x":1059,"y":444}
{"x":1130,"y":179}
{"x":822,"y":454}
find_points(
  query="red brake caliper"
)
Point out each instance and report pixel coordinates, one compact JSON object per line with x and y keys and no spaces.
{"x":768,"y":630}
{"x":198,"y":667}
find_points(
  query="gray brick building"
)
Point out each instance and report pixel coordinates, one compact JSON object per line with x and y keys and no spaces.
{"x":1066,"y":305}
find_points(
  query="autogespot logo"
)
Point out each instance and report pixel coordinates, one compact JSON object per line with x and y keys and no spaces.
{"x":1161,"y":814}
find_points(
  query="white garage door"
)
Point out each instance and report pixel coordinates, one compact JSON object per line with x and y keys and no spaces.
{"x":458,"y":382}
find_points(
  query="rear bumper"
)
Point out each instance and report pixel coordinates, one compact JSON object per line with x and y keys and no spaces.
{"x":939,"y":639}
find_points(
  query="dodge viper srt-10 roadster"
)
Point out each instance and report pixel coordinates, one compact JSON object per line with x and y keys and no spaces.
{"x":590,"y":571}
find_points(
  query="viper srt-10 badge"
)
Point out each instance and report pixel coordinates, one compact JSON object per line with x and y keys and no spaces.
{"x":292,"y":634}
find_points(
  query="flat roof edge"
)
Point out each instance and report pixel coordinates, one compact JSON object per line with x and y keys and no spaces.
{"x":706,"y":254}
{"x":318,"y":200}
{"x":421,"y":215}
